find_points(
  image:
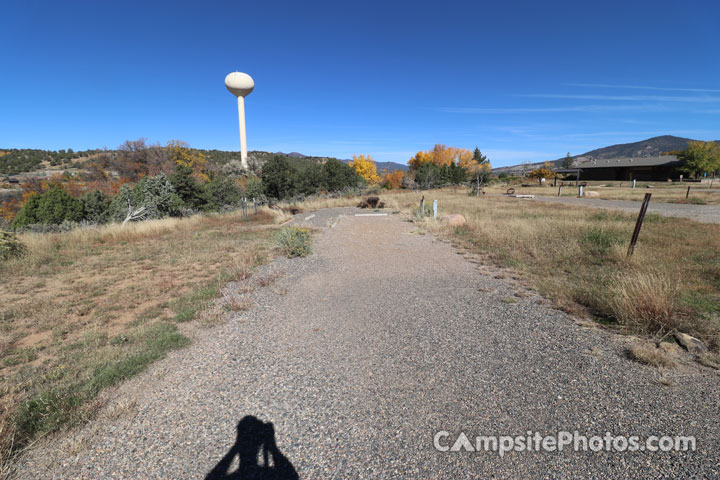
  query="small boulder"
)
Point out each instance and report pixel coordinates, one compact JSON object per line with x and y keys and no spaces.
{"x":454,"y":220}
{"x":381,"y":205}
{"x":362,"y":204}
{"x":691,"y":344}
{"x":372,"y":201}
{"x":590,"y":194}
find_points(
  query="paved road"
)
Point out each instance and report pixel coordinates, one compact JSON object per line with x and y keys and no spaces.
{"x":362,"y":352}
{"x":700,"y":213}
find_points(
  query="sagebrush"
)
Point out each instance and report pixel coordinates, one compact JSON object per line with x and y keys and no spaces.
{"x":295,"y":241}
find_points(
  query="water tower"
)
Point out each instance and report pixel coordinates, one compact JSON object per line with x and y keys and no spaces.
{"x":241,"y":84}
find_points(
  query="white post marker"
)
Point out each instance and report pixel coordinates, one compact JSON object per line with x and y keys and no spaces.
{"x":580,"y":189}
{"x":435,"y":209}
{"x":241,"y":84}
{"x":634,"y":181}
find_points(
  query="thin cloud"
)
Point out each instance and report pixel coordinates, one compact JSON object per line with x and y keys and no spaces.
{"x":642,"y":87}
{"x":578,"y":108}
{"x":631,"y":98}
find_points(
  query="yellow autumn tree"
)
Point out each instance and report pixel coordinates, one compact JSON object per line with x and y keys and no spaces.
{"x":181,"y":153}
{"x":442,"y":155}
{"x":543,"y":172}
{"x":419,"y":159}
{"x":365,"y":167}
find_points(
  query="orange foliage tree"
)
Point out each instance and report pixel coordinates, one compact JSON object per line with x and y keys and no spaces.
{"x":394,"y":179}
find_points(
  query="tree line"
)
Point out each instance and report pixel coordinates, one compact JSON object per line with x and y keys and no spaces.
{"x":141,"y":181}
{"x":438,"y":167}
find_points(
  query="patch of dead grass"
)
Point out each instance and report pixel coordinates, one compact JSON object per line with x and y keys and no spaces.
{"x":649,"y":354}
{"x":85,"y":300}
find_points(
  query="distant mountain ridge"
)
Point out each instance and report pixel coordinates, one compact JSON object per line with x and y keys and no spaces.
{"x":652,"y":147}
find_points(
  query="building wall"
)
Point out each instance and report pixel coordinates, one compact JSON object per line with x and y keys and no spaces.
{"x":659,"y":173}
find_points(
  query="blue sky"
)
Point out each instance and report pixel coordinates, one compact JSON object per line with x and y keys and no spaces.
{"x":524,"y":81}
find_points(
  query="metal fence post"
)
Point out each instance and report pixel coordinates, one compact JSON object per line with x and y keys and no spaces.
{"x":638,"y":225}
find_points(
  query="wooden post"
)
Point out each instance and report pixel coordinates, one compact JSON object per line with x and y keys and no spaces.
{"x":688,"y":193}
{"x":712,"y":180}
{"x":638,"y":224}
{"x":422,"y":206}
{"x":559,"y":190}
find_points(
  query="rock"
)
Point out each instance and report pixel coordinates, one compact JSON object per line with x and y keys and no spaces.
{"x":381,"y":205}
{"x":590,"y":194}
{"x":372,"y":201}
{"x":362,"y":204}
{"x":454,"y":220}
{"x":691,"y":344}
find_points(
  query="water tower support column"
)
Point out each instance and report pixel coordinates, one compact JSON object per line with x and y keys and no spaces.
{"x":243,"y":137}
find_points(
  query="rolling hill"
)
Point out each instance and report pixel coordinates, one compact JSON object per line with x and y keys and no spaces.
{"x":645,"y":148}
{"x":15,"y":161}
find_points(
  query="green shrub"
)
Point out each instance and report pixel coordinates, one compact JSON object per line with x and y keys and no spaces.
{"x":10,"y":246}
{"x":156,"y":194}
{"x":186,"y":187}
{"x":340,"y":176}
{"x":295,"y":241}
{"x":221,"y":191}
{"x":599,"y":241}
{"x":277,"y":177}
{"x":54,"y":207}
{"x":254,"y":189}
{"x":96,"y":207}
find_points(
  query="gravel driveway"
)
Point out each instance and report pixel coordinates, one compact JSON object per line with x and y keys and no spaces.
{"x":699,"y":213}
{"x":361,"y":352}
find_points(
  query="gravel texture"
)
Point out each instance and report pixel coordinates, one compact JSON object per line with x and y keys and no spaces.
{"x":359,"y":353}
{"x":699,"y":213}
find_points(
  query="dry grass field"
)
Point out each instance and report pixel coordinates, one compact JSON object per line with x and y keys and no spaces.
{"x":700,"y":194}
{"x":88,"y":308}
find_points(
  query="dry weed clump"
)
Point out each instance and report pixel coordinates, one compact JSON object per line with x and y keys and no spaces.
{"x":645,"y":301}
{"x":236,"y":301}
{"x":649,"y":354}
{"x":269,"y":278}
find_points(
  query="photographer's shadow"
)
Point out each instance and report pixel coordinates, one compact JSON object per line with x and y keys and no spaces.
{"x":254,"y":436}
